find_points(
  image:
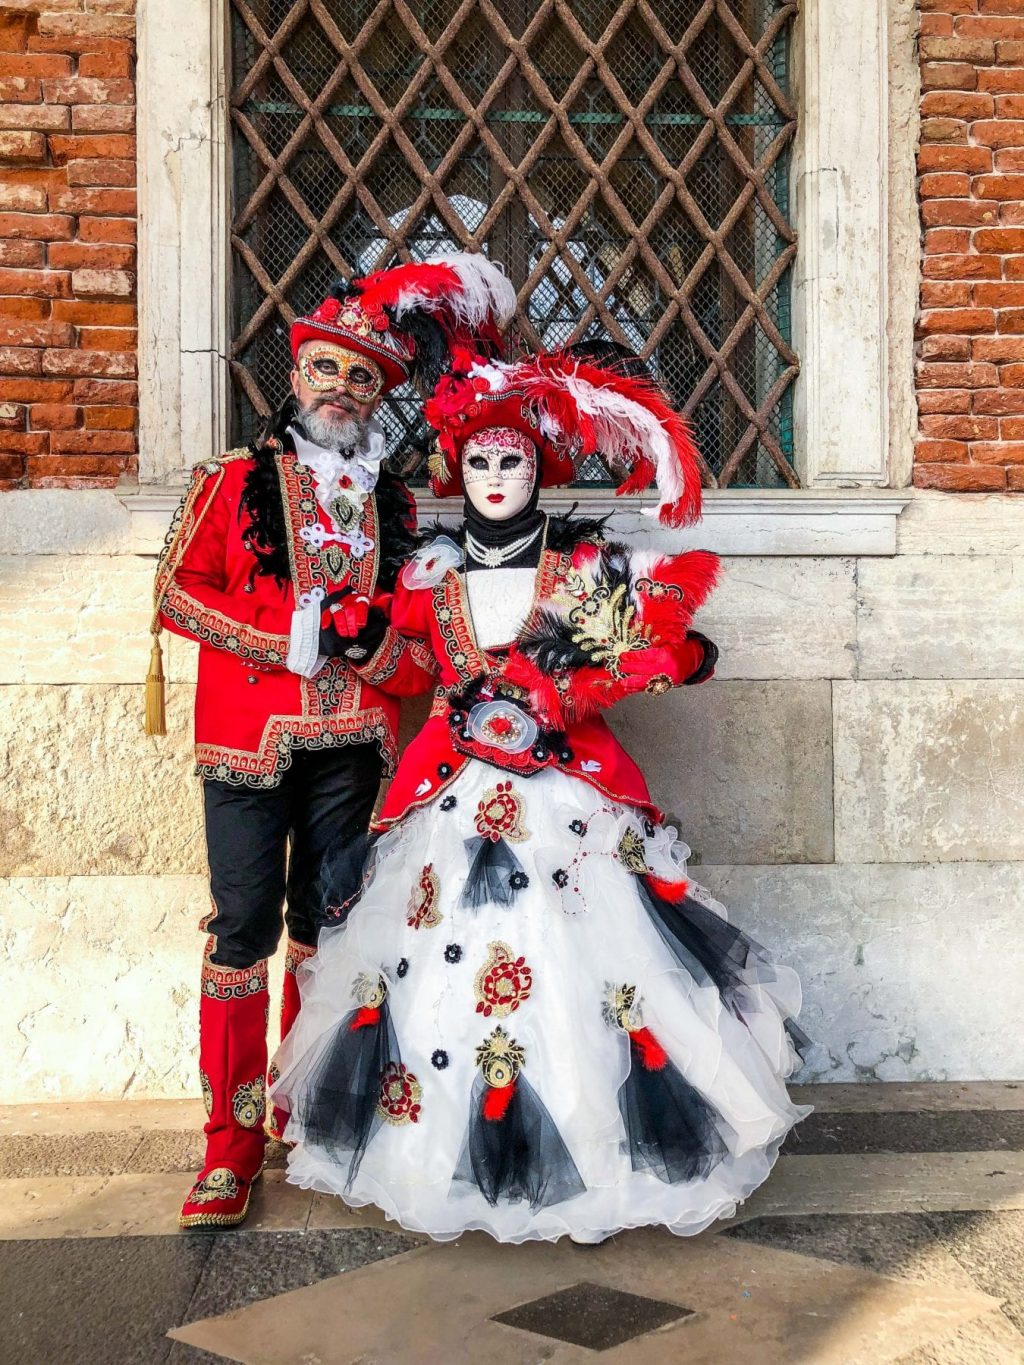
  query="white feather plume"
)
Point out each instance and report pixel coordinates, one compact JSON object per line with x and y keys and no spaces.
{"x":487,"y":292}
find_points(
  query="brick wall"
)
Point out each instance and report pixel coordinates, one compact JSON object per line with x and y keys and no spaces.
{"x":970,"y":349}
{"x":68,"y":393}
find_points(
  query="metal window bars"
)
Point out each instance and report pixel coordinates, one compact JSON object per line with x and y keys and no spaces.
{"x":626,"y":160}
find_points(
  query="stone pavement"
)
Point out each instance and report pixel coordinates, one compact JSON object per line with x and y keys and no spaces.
{"x":892,"y":1230}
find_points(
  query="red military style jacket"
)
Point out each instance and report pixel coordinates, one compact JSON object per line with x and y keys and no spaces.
{"x":584,"y":747}
{"x":251,"y":710}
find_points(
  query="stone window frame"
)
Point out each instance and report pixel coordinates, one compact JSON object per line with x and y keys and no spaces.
{"x":855,"y":210}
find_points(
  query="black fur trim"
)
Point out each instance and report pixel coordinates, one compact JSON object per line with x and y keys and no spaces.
{"x":397,"y":535}
{"x":565,"y":531}
{"x":261,"y":501}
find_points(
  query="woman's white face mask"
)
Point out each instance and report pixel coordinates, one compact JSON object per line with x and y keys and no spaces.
{"x":499,"y":470}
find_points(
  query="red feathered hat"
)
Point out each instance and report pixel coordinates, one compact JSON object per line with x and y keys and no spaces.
{"x":570,"y":409}
{"x":465,"y":294}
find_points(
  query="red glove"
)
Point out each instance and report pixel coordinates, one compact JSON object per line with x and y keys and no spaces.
{"x":657,"y":668}
{"x":342,"y":616}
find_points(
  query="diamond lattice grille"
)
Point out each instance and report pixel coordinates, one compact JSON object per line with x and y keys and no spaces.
{"x":626,"y":161}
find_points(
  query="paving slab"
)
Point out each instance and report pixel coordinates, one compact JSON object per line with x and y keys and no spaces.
{"x":736,"y":1301}
{"x":970,"y":1130}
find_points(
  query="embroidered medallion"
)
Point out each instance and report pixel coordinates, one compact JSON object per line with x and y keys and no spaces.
{"x":631,"y":852}
{"x":621,"y":1009}
{"x":369,"y":990}
{"x":400,"y":1095}
{"x":220,"y":1183}
{"x":502,"y":983}
{"x":500,"y":815}
{"x":500,"y":1059}
{"x":422,"y":911}
{"x":207,"y":1089}
{"x":247,"y":1103}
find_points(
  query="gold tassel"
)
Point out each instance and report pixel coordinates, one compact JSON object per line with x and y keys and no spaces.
{"x":156,"y":720}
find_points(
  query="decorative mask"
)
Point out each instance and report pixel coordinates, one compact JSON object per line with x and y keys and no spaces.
{"x":499,"y":470}
{"x":326,"y":367}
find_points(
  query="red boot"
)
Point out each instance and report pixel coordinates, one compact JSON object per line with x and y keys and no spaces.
{"x":297,"y":954}
{"x":233,"y":1010}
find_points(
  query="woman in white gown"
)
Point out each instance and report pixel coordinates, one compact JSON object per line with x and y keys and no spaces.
{"x":527,"y":1020}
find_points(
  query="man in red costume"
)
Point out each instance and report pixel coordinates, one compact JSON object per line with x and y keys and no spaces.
{"x":281,"y":563}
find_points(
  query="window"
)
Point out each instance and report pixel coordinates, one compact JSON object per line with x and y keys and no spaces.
{"x":627,"y":161}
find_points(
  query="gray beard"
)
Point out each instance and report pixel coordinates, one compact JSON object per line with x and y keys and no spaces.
{"x":331,"y":433}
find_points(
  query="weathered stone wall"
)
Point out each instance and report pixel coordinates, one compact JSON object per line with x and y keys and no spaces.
{"x":850,"y":784}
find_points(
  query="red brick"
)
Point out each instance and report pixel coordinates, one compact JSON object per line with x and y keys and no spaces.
{"x":1009,"y":106}
{"x":998,"y":348}
{"x":1011,"y":320}
{"x":948,"y":6}
{"x":999,"y":295}
{"x":1013,"y":268}
{"x":111,"y":419}
{"x":1000,"y":402}
{"x":20,"y":360}
{"x":54,"y":417}
{"x":104,"y":146}
{"x":972,"y":376}
{"x":993,"y":27}
{"x":1012,"y":428}
{"x":1015,"y":479}
{"x":101,"y":256}
{"x":21,"y":145}
{"x":1010,"y":159}
{"x":999,"y":6}
{"x":999,"y":239}
{"x":23,"y":307}
{"x":103,"y":118}
{"x":955,"y":212}
{"x":36,"y":64}
{"x":77,"y":32}
{"x":1002,"y":80}
{"x":19,"y":198}
{"x":946,"y":348}
{"x":945,"y":294}
{"x":93,"y":313}
{"x":48,"y":283}
{"x":976,"y":160}
{"x":37,"y":227}
{"x":998,"y":452}
{"x":998,"y":132}
{"x":114,"y":364}
{"x":935,"y":26}
{"x":36,"y":390}
{"x":119,"y":63}
{"x":12,"y":416}
{"x":961,"y":266}
{"x":953,"y":428}
{"x":957,"y":104}
{"x":1010,"y":53}
{"x":944,"y":241}
{"x":938,"y":452}
{"x":948,"y":76}
{"x":66,"y":470}
{"x":1012,"y":376}
{"x":998,"y":186}
{"x":108,"y":338}
{"x":44,"y":118}
{"x":979,"y":51}
{"x":93,"y":442}
{"x":945,"y":185}
{"x":119,"y":230}
{"x":41,"y":334}
{"x":23,"y":254}
{"x":25,"y":443}
{"x":14,"y":31}
{"x":105,"y":391}
{"x":101,"y":172}
{"x":944,"y":400}
{"x":957,"y":321}
{"x":88,"y":90}
{"x":118,"y":202}
{"x":960,"y":478}
{"x":20,"y":90}
{"x":1010,"y":214}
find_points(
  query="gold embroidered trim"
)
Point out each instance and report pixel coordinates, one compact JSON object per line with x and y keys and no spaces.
{"x":214,"y":628}
{"x":422,"y":912}
{"x":282,"y":734}
{"x":400,"y":1095}
{"x":503,"y":983}
{"x":231,"y":983}
{"x":296,"y":954}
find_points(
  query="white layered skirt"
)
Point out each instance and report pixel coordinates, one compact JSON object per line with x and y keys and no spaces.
{"x":647,"y":1041}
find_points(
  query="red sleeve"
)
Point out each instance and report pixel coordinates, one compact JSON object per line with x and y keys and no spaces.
{"x":191,"y":583}
{"x":403,"y":665}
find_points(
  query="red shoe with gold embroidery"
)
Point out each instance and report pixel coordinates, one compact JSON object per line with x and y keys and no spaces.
{"x":290,"y":1001}
{"x":233,"y":1011}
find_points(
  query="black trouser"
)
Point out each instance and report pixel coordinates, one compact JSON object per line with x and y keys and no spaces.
{"x":285,"y":842}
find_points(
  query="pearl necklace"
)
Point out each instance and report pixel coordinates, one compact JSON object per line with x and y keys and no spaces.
{"x":494,"y":557}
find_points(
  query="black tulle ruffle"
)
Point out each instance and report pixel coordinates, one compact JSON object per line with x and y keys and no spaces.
{"x":670,"y":1129}
{"x":496,"y":875}
{"x":336,"y":1104}
{"x":520,"y":1157}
